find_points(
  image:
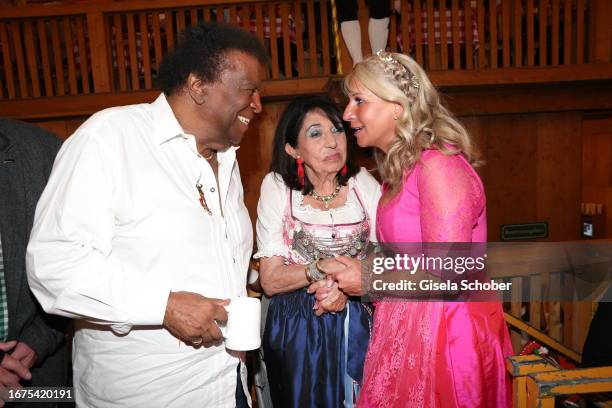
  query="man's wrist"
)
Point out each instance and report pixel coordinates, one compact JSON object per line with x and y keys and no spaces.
{"x":367,"y":268}
{"x":169,"y":305}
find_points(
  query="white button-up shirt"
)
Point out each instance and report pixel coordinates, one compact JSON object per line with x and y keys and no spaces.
{"x":117,"y":228}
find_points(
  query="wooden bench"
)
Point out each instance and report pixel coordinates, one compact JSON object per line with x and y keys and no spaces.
{"x":536,"y":382}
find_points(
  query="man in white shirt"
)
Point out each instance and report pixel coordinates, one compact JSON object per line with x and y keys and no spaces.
{"x":142,"y":234}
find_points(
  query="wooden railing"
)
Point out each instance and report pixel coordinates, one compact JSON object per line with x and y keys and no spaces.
{"x":100,"y":46}
{"x":75,"y":49}
{"x":492,"y":33}
{"x":560,"y":326}
{"x":543,"y":286}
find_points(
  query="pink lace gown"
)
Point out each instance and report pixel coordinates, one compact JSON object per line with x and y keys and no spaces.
{"x":437,"y":354}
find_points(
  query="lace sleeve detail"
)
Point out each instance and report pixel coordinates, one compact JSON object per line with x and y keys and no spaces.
{"x":270,"y":252}
{"x":270,"y":209}
{"x":370,"y":191}
{"x":451,"y":198}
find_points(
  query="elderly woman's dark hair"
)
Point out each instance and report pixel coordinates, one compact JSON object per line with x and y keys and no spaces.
{"x":287,"y":131}
{"x":201,"y":49}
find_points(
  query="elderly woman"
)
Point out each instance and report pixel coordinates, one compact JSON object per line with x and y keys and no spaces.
{"x":423,"y":354}
{"x":313,"y":204}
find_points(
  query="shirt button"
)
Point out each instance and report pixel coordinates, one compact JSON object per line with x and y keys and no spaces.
{"x":212,"y":189}
{"x":234,"y":259}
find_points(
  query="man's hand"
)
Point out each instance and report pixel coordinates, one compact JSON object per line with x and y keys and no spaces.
{"x":15,"y":367}
{"x":348,"y":278}
{"x":11,"y":371}
{"x":329,"y":265}
{"x":191,"y":317}
{"x":12,"y":364}
{"x":26,"y":356}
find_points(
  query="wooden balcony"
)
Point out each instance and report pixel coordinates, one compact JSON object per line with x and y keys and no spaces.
{"x":101,"y":53}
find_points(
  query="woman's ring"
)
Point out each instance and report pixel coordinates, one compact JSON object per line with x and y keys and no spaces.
{"x":196,"y":342}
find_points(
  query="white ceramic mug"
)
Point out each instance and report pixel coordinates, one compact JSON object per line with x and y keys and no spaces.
{"x":242,"y":330}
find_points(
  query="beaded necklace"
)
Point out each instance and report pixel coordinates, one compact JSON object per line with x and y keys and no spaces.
{"x":325,"y":199}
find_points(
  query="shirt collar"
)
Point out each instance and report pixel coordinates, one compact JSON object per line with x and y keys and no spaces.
{"x":166,"y":126}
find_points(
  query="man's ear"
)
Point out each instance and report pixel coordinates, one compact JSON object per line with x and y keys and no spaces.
{"x":197,"y":89}
{"x":291,"y":151}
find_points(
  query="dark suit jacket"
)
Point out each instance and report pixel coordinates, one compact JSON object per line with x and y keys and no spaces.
{"x":26,"y":157}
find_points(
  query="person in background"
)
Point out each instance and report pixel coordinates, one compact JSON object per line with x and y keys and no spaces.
{"x":142,"y":234}
{"x":32,"y":344}
{"x":378,"y":26}
{"x":597,"y":351}
{"x":314,"y":203}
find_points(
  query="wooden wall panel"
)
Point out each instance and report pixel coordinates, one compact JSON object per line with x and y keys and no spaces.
{"x":510,"y":166}
{"x":61,"y":127}
{"x":532,"y":170}
{"x":57,"y":127}
{"x":477,"y":133}
{"x":255,"y":153}
{"x":597,"y":165}
{"x":559,"y":173}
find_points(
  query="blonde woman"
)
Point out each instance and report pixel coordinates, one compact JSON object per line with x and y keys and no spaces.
{"x":423,"y":354}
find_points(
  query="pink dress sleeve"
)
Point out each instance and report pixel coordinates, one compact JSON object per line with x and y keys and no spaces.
{"x":451,"y":197}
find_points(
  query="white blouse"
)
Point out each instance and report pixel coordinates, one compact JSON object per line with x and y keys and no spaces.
{"x":273,"y":201}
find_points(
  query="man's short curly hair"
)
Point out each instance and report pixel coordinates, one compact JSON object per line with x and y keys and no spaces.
{"x":201,"y":50}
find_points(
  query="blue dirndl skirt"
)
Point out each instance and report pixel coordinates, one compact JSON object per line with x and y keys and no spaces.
{"x":311,"y":359}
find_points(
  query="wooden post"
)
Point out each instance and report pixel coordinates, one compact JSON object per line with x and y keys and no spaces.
{"x":602,"y":30}
{"x":521,"y":366}
{"x":515,"y":309}
{"x":535,"y":304}
{"x":100,"y":62}
{"x":555,"y":325}
{"x":336,"y":37}
{"x":583,"y":313}
{"x":534,"y":399}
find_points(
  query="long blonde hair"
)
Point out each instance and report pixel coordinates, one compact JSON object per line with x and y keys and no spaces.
{"x":424,"y":123}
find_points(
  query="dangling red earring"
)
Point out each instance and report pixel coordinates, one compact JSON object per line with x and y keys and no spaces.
{"x":300,"y":170}
{"x":344,"y":171}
